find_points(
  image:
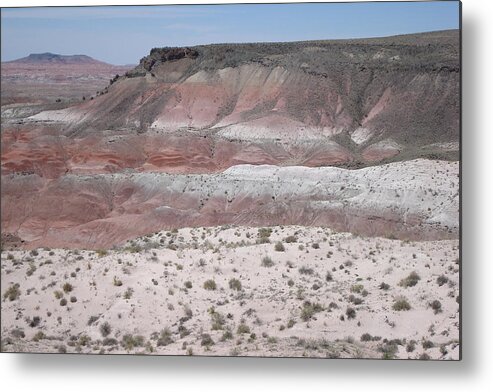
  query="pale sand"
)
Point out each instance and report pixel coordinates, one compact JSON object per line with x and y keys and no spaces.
{"x":266,"y":301}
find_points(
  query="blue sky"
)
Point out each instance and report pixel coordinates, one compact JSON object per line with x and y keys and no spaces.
{"x":122,"y":35}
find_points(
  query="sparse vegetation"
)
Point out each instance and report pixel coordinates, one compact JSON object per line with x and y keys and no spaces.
{"x":210,"y":285}
{"x":401,"y":304}
{"x":267,"y":262}
{"x":412,"y":280}
{"x":12,"y":293}
{"x":235,"y":284}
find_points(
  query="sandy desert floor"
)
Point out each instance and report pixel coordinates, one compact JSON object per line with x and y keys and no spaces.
{"x":243,"y":291}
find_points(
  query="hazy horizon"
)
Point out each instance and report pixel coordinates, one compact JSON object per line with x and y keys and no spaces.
{"x":124,"y":34}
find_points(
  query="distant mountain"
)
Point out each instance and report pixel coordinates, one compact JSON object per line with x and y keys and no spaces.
{"x":52,"y":58}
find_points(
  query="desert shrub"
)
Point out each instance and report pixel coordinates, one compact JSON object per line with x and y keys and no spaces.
{"x":441,"y":280}
{"x":366,"y":337}
{"x":234,"y":284}
{"x":18,"y":333}
{"x":243,"y":328}
{"x":411,"y":346}
{"x":117,"y":282}
{"x":388,"y":350}
{"x":183,"y":331}
{"x":290,"y":282}
{"x":105,"y":329}
{"x":267,"y":262}
{"x":12,"y":293}
{"x":279,"y":247}
{"x":206,"y":340}
{"x":67,"y":288}
{"x":110,"y":342}
{"x":304,"y":270}
{"x":188,"y":284}
{"x":309,"y":309}
{"x":401,"y":304}
{"x":63,"y":302}
{"x":424,"y":357}
{"x":411,"y":280}
{"x":427,"y":344}
{"x":39,"y":336}
{"x":227,"y":335}
{"x":35,"y":322}
{"x":129,"y":341}
{"x":350,"y":313}
{"x":217,"y":320}
{"x":436,"y":305}
{"x":73,"y":299}
{"x":165,"y":337}
{"x":102,"y":252}
{"x":355,"y":300}
{"x":357,"y":288}
{"x":328,"y":277}
{"x":128,"y":293}
{"x":315,"y":245}
{"x":210,"y":285}
{"x":92,"y":320}
{"x":290,"y":239}
{"x":384,"y":286}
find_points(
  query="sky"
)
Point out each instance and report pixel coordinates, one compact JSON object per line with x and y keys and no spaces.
{"x":124,"y":34}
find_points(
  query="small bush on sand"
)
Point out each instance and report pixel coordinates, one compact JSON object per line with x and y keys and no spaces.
{"x":309,"y":309}
{"x":165,"y":337}
{"x":350,"y":313}
{"x":436,"y":305}
{"x":243,"y":328}
{"x":105,"y":329}
{"x":401,"y":304}
{"x":279,"y":247}
{"x":67,"y":287}
{"x":12,"y":293}
{"x":235,"y":284}
{"x":412,"y":280}
{"x":267,"y":262}
{"x":210,"y":285}
{"x":441,"y":280}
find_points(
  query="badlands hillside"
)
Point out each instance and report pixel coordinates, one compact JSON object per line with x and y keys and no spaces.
{"x":278,"y":199}
{"x":179,"y":141}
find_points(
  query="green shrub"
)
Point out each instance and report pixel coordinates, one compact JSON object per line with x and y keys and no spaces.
{"x":12,"y":293}
{"x":304,"y":270}
{"x":235,"y":284}
{"x":436,"y":305}
{"x":441,"y":280}
{"x":401,"y":304}
{"x":206,"y":340}
{"x":267,"y":262}
{"x":309,"y":309}
{"x":411,"y":280}
{"x":279,"y":247}
{"x":243,"y":328}
{"x":210,"y":285}
{"x":350,"y":313}
{"x":67,"y":287}
{"x":165,"y":337}
{"x":105,"y":329}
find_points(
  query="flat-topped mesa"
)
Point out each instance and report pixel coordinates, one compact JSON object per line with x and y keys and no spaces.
{"x":314,"y":103}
